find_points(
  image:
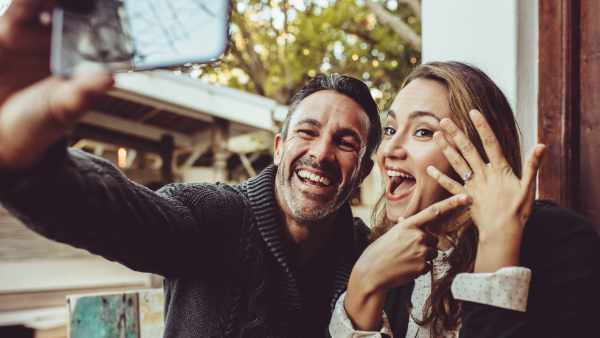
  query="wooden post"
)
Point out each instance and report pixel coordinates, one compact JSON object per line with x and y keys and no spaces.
{"x":167,"y":148}
{"x":219,"y":148}
{"x":557,"y":101}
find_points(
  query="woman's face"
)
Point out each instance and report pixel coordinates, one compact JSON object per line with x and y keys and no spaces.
{"x":408,"y":148}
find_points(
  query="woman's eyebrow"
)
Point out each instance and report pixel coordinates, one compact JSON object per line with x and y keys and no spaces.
{"x":421,"y":113}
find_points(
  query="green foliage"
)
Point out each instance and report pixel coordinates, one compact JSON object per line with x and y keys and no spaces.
{"x":277,"y":45}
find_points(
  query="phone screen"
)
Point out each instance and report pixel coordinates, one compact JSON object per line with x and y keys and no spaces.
{"x":125,"y":35}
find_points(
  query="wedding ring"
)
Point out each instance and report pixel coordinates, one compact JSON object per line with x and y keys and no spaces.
{"x":467,"y":177}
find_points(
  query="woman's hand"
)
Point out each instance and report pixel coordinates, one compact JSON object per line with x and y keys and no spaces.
{"x":502,"y":202}
{"x":394,"y":259}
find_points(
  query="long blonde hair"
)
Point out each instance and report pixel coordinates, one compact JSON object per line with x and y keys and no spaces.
{"x":468,"y":88}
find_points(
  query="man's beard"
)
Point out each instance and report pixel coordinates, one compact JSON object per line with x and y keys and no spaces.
{"x":294,"y":199}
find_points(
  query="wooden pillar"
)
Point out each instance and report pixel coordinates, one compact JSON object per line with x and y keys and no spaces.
{"x":167,"y":148}
{"x":220,"y":137}
{"x":557,"y":100}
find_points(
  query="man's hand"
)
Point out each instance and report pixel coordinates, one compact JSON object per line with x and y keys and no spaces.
{"x":36,"y":109}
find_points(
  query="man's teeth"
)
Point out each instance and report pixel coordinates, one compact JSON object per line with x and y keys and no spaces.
{"x":314,"y":177}
{"x":393,"y":173}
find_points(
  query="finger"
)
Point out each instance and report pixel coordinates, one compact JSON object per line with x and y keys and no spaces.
{"x":69,"y":98}
{"x":488,"y":139}
{"x":457,"y":162}
{"x":446,"y":182}
{"x":25,"y":11}
{"x":532,"y":165}
{"x":438,"y":209}
{"x":467,"y":149}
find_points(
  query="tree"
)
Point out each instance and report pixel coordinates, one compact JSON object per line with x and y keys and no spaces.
{"x":276,"y":45}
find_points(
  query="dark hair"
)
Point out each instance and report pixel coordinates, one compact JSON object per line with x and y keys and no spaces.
{"x":349,"y":86}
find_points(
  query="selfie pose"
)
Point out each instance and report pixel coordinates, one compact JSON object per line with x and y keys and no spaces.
{"x":238,"y":261}
{"x":505,"y":266}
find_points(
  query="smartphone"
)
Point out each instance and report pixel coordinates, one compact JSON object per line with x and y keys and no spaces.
{"x":132,"y":35}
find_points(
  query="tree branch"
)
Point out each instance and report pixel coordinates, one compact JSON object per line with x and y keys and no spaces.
{"x":415,"y":6}
{"x":395,"y":23}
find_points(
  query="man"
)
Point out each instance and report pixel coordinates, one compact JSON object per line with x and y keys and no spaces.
{"x":267,"y":258}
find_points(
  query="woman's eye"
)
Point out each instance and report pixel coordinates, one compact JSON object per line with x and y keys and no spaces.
{"x":423,"y":133}
{"x":389,"y":131}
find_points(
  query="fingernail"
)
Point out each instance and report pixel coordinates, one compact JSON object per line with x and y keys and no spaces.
{"x":466,"y":199}
{"x":431,"y":170}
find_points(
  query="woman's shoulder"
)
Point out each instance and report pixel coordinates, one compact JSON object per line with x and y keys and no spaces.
{"x":555,"y":230}
{"x":552,"y":221}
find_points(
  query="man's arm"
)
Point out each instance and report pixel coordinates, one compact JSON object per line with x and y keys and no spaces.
{"x":76,"y":198}
{"x":83,"y":200}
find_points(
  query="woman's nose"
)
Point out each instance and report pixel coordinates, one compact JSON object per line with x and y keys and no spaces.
{"x":394,"y":148}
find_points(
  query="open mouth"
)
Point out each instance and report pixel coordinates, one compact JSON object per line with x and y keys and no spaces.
{"x":314,"y":179}
{"x":400,"y":184}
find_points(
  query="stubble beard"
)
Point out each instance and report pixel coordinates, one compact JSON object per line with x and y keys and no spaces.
{"x":294,"y":199}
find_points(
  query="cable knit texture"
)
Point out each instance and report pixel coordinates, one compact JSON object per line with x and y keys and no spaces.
{"x":228,"y":269}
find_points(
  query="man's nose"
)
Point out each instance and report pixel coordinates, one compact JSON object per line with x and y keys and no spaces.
{"x":322,"y":149}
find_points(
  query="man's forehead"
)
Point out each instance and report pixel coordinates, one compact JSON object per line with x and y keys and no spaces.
{"x":330,"y":107}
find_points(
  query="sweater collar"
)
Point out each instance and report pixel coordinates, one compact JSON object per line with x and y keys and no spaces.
{"x":261,"y":193}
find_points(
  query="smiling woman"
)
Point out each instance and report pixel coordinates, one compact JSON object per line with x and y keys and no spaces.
{"x":506,"y":266}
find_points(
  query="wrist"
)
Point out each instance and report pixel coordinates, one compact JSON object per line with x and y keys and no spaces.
{"x":364,"y":302}
{"x":494,"y":254}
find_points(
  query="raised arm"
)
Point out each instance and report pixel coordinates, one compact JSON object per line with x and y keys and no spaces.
{"x":83,"y":200}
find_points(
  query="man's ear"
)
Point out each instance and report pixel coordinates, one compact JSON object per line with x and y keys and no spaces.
{"x":277,"y":146}
{"x":365,"y":170}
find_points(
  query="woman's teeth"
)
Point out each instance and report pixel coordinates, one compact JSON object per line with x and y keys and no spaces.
{"x":399,"y":182}
{"x":393,"y":173}
{"x":307,"y":175}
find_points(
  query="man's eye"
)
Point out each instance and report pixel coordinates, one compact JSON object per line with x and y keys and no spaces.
{"x":306,"y":132}
{"x":389,"y":131}
{"x":423,"y":133}
{"x":347,"y":146}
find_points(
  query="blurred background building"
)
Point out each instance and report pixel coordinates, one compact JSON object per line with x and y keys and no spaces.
{"x":207,"y":123}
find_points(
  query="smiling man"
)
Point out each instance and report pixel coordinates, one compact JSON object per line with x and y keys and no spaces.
{"x":266,"y":258}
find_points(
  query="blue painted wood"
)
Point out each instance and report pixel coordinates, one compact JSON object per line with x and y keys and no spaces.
{"x":106,"y":316}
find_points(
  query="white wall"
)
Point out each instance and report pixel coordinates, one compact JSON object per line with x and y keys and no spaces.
{"x":498,"y":36}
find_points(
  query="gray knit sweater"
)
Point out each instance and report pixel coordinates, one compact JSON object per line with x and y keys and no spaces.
{"x":229,"y":270}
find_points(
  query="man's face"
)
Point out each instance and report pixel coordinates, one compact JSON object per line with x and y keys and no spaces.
{"x":319,"y":163}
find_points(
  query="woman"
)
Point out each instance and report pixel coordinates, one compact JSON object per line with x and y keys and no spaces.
{"x":504,"y":267}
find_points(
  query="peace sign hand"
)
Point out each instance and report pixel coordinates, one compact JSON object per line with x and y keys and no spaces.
{"x":502,"y":202}
{"x":402,"y":254}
